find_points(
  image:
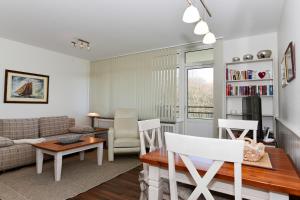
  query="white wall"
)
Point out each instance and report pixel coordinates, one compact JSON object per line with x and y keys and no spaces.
{"x":289,"y":97}
{"x":69,"y":81}
{"x":253,"y":44}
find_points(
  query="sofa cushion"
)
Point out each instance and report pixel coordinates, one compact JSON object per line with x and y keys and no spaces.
{"x":126,"y":142}
{"x":5,"y":142}
{"x":54,"y":126}
{"x":19,"y":128}
{"x":16,"y":155}
{"x":71,"y":122}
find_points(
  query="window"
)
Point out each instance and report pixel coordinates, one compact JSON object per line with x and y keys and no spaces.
{"x":199,"y":56}
{"x":200,"y":93}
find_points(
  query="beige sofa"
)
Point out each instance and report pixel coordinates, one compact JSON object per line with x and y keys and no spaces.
{"x":18,"y":155}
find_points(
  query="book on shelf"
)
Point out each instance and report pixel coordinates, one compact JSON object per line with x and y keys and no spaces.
{"x":249,"y":90}
{"x":239,"y":75}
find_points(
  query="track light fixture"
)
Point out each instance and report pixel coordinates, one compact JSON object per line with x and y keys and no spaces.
{"x":81,"y":44}
{"x":191,"y":15}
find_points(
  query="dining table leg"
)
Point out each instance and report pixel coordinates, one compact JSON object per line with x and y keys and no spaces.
{"x":155,"y":184}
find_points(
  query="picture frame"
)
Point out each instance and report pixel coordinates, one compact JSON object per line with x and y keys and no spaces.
{"x":283,"y":77}
{"x":290,"y":64}
{"x":24,"y":87}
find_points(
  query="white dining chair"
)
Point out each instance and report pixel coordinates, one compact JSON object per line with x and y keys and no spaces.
{"x":245,"y":125}
{"x":217,"y":150}
{"x":150,"y":137}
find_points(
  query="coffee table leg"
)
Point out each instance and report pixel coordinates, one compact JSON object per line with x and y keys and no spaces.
{"x":81,"y":155}
{"x":39,"y":161}
{"x":57,"y":166}
{"x":100,"y":154}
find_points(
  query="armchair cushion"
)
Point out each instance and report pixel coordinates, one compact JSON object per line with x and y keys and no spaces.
{"x":126,"y":142}
{"x":125,"y":123}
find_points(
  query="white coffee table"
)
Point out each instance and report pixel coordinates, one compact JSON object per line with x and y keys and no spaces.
{"x":58,"y":150}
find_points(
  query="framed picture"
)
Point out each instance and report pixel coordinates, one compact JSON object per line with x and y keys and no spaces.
{"x":23,"y":87}
{"x":290,"y":64}
{"x":283,"y":73}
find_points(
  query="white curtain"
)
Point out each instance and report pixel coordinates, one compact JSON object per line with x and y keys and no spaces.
{"x":145,"y":81}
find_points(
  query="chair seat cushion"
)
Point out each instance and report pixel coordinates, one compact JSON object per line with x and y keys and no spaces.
{"x":126,"y":142}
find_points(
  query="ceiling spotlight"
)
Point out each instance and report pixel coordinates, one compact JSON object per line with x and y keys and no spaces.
{"x":201,"y":28}
{"x":80,"y":43}
{"x":209,"y":38}
{"x":191,"y":14}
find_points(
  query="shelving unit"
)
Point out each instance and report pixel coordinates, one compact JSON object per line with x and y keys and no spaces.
{"x":241,"y":96}
{"x":250,"y":82}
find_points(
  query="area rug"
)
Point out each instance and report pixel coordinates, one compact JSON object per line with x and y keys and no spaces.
{"x":77,"y":177}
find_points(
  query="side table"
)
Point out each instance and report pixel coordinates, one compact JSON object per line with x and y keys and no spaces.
{"x":102,"y":133}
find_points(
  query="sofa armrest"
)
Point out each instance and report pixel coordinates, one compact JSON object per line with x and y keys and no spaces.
{"x":111,"y":144}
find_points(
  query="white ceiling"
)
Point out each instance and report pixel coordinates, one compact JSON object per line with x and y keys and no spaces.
{"x":116,"y":27}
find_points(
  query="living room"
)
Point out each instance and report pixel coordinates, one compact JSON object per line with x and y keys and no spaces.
{"x":84,"y":82}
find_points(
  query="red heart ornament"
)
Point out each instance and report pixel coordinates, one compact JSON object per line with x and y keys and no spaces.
{"x":262,"y":74}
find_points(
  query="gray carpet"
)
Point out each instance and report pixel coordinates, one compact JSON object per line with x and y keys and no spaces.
{"x":77,"y":177}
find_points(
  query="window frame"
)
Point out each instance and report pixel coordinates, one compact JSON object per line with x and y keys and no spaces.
{"x":202,"y":66}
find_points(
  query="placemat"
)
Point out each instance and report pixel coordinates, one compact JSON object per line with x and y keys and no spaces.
{"x":264,"y":162}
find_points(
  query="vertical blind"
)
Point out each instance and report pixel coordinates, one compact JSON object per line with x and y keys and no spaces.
{"x":145,"y":81}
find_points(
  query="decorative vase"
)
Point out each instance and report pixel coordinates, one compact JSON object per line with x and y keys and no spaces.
{"x":264,"y":54}
{"x":248,"y":57}
{"x":236,"y":59}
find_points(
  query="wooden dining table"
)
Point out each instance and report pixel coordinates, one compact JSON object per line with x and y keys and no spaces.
{"x":258,"y":183}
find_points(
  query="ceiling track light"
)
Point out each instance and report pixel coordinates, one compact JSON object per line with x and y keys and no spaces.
{"x":191,"y":15}
{"x":81,"y":44}
{"x":201,"y":28}
{"x":209,"y":38}
{"x":206,"y":9}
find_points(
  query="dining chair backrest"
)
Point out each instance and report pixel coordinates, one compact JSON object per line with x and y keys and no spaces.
{"x":245,"y":125}
{"x":217,"y":150}
{"x":150,"y":134}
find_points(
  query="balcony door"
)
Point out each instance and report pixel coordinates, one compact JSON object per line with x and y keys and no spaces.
{"x":199,"y":100}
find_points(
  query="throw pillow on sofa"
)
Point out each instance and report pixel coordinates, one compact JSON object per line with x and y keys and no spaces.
{"x":81,"y":129}
{"x":5,"y":142}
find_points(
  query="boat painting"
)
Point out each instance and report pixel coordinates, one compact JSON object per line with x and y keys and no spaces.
{"x":22,"y":87}
{"x":27,"y":87}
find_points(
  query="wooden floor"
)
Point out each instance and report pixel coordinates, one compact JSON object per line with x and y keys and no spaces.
{"x":123,"y":187}
{"x":126,"y":187}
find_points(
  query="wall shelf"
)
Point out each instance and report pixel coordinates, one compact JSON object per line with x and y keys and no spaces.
{"x":250,"y":61}
{"x":239,"y":114}
{"x":249,"y":80}
{"x":235,"y":90}
{"x":248,"y":96}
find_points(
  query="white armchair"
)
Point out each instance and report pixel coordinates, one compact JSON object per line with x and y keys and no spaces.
{"x":123,"y":137}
